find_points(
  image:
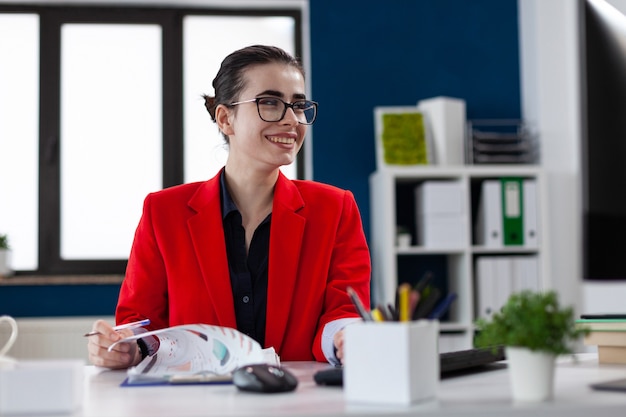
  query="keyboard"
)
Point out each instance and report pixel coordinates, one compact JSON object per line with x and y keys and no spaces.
{"x":468,"y":359}
{"x":450,"y":364}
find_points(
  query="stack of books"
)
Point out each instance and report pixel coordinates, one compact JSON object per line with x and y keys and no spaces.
{"x":608,"y":333}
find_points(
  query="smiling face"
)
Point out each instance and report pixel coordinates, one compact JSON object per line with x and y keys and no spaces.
{"x":255,"y":143}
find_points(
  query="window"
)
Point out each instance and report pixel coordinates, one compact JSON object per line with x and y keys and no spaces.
{"x":119,"y":115}
{"x":111,"y":148}
{"x":19,"y":134}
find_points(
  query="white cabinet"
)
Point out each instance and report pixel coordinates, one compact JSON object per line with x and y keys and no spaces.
{"x":452,"y":263}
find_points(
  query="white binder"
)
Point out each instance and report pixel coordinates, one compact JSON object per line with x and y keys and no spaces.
{"x":485,"y":287}
{"x":504,"y":280}
{"x":489,"y":217}
{"x":525,"y":270}
{"x":531,"y":273}
{"x":445,"y":119}
{"x":531,"y":214}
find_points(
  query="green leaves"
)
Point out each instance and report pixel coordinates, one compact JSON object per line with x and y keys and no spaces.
{"x":533,"y":320}
{"x":4,"y":242}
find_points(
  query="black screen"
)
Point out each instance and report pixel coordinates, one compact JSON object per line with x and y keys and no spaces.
{"x":603,"y":54}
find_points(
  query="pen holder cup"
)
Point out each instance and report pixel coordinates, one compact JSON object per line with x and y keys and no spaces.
{"x":391,"y":362}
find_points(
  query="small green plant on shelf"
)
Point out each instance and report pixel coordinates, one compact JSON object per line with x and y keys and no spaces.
{"x":4,"y":242}
{"x":532,"y":320}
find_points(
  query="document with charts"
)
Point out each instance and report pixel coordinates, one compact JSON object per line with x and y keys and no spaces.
{"x":197,"y":350}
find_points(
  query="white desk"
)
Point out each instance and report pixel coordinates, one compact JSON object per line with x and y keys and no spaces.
{"x":482,"y":394}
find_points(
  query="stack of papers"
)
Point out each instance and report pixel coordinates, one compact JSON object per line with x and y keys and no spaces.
{"x":197,"y":353}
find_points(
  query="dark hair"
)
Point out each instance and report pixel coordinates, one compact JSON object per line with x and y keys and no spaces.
{"x":229,"y":80}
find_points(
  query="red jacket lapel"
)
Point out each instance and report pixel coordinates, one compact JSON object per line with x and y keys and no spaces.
{"x":285,"y":243}
{"x":207,"y":234}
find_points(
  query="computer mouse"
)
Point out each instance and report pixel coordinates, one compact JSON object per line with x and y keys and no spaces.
{"x":264,"y":378}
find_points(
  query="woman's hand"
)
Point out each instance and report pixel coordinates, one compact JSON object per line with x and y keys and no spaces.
{"x":338,"y":342}
{"x":124,"y":355}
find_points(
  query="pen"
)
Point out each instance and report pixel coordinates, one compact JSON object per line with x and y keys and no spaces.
{"x":404,"y":291}
{"x":443,"y":306}
{"x":393,"y":312}
{"x":432,"y":296}
{"x":385,"y":313}
{"x":417,"y":293}
{"x":377,"y":315}
{"x":133,"y":325}
{"x":414,"y":299}
{"x":365,"y":315}
{"x":421,"y":284}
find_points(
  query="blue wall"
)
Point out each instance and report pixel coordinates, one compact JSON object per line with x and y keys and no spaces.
{"x":58,"y":300}
{"x":365,"y":53}
{"x":368,"y":53}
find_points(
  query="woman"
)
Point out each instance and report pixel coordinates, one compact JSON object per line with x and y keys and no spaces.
{"x":249,"y":248}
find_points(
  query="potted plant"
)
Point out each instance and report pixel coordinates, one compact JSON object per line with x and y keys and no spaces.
{"x":534,"y":329}
{"x":5,"y":256}
{"x":403,"y":237}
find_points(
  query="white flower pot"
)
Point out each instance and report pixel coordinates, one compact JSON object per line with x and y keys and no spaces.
{"x":5,"y":263}
{"x":531,"y":373}
{"x":403,"y":240}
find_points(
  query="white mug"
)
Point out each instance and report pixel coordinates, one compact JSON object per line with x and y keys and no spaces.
{"x":9,"y":343}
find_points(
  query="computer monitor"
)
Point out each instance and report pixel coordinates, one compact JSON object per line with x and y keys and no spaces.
{"x":603,"y":118}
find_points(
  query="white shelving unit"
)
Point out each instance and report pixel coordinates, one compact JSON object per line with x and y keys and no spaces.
{"x":392,"y":204}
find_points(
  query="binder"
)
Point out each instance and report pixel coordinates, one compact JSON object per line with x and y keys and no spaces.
{"x":445,"y":119}
{"x":532,"y":273}
{"x":489,"y":216}
{"x":512,"y":211}
{"x":525,"y":272}
{"x":518,"y":278}
{"x":503,"y":280}
{"x":485,"y":287}
{"x":530,"y":209}
{"x":495,"y":283}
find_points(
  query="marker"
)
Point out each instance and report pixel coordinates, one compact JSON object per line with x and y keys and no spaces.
{"x":360,"y":308}
{"x":404,"y":291}
{"x":377,"y":315}
{"x":133,"y":325}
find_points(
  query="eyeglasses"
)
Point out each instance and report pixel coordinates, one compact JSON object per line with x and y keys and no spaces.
{"x":273,"y":109}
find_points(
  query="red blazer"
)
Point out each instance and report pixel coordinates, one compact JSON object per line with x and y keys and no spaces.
{"x":178,"y":270}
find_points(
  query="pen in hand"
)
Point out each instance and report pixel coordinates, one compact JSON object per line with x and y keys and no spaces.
{"x":133,"y":325}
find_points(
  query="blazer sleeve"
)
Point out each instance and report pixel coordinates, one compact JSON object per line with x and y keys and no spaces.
{"x":144,"y":290}
{"x":350,"y":266}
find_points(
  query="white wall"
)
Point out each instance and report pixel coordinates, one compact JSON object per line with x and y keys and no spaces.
{"x":550,"y":74}
{"x":50,"y":338}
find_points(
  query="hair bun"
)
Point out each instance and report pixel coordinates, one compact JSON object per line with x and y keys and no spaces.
{"x":209,"y":103}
